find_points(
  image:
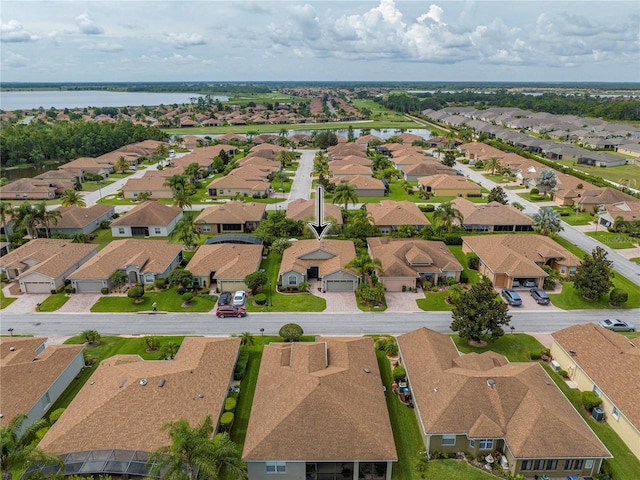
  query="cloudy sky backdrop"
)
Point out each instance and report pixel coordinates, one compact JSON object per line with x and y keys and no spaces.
{"x":238,"y":40}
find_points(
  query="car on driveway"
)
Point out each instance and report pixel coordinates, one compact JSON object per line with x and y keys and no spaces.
{"x":530,"y":283}
{"x":540,"y":296}
{"x":224,"y":298}
{"x":617,"y":325}
{"x":239,"y":298}
{"x":230,"y":311}
{"x":512,"y":297}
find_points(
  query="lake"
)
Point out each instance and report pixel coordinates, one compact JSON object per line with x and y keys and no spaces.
{"x":28,"y":100}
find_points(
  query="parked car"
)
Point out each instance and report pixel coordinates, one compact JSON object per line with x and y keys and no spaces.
{"x":617,"y":325}
{"x":530,"y":283}
{"x":225,"y":298}
{"x":512,"y":297}
{"x":230,"y":311}
{"x":540,"y":296}
{"x":515,"y":284}
{"x":239,"y":298}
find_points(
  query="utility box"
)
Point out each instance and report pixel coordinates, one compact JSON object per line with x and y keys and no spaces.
{"x":555,"y":365}
{"x":597,"y":413}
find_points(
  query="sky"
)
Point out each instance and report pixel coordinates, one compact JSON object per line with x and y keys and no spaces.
{"x":330,"y":40}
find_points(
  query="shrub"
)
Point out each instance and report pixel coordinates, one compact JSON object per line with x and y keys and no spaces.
{"x":451,"y":281}
{"x":104,"y":224}
{"x":479,"y":164}
{"x":230,"y":404}
{"x":399,"y":374}
{"x":55,"y":415}
{"x":473,"y":261}
{"x":474,"y":195}
{"x":534,"y":191}
{"x":563,"y":374}
{"x":69,"y":289}
{"x":234,"y":394}
{"x":464,"y":278}
{"x":381,"y":342}
{"x":136,"y":293}
{"x":104,"y":290}
{"x":452,"y":239}
{"x":148,"y":288}
{"x":60,"y":289}
{"x":535,"y":355}
{"x":159,"y":283}
{"x":226,"y":421}
{"x":187,"y":297}
{"x":618,"y":296}
{"x":429,"y":208}
{"x":260,"y":299}
{"x":291,"y":332}
{"x":590,"y":400}
{"x":53,"y":291}
{"x":241,"y":365}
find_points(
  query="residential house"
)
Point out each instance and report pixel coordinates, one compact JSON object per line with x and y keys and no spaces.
{"x":119,"y":414}
{"x":485,"y":405}
{"x":341,"y":169}
{"x":407,"y":262}
{"x":608,"y":364}
{"x":151,"y":182}
{"x":628,"y":210}
{"x":247,"y":181}
{"x":352,"y":160}
{"x":143,"y":261}
{"x":388,"y":215}
{"x":231,"y":217}
{"x":90,"y":165}
{"x":491,"y":217}
{"x":364,"y":186}
{"x":231,"y":137}
{"x":631,"y":149}
{"x":336,"y":152}
{"x":600,"y":159}
{"x":32,"y":189}
{"x":71,"y":175}
{"x":413,"y":172}
{"x":149,"y":219}
{"x":597,"y":199}
{"x":82,"y":219}
{"x":449,"y":186}
{"x":43,"y":264}
{"x":306,"y":392}
{"x":325,"y":260}
{"x":509,"y":260}
{"x":305,"y":211}
{"x":224,"y":265}
{"x":34,"y":376}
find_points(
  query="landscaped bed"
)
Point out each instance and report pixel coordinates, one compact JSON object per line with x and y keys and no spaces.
{"x":168,"y":301}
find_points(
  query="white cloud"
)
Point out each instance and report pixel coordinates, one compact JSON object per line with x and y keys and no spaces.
{"x":13,"y":32}
{"x":13,"y":60}
{"x":185,"y":40}
{"x":87,"y":25}
{"x":107,"y":47}
{"x":175,"y":58}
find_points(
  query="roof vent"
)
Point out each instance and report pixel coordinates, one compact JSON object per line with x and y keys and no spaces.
{"x":572,"y":353}
{"x":366,"y":370}
{"x":491,"y":382}
{"x":123,"y":382}
{"x":201,"y":395}
{"x":143,"y":382}
{"x":12,"y":349}
{"x":162,"y":382}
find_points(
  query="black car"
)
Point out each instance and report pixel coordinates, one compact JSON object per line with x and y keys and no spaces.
{"x":225,"y":298}
{"x":540,"y":296}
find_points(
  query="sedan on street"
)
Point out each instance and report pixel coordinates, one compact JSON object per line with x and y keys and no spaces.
{"x":617,"y":325}
{"x":230,"y":311}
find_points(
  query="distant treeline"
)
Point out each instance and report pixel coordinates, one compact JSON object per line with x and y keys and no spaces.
{"x":39,"y":142}
{"x":607,"y":108}
{"x":177,"y":87}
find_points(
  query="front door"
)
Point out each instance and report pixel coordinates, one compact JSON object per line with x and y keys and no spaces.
{"x":312,"y":272}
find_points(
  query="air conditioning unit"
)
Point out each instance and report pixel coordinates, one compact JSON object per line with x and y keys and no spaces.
{"x":555,"y":365}
{"x":598,"y":414}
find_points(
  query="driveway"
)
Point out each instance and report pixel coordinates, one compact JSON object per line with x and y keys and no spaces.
{"x":403,"y":301}
{"x":337,"y":302}
{"x":80,"y":302}
{"x":25,"y":303}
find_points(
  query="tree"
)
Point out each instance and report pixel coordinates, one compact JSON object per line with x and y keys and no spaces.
{"x":255,"y":280}
{"x":325,"y":139}
{"x":118,"y":278}
{"x":144,"y":196}
{"x":479,"y":314}
{"x":136,"y":293}
{"x":446,"y":215}
{"x":497,"y":194}
{"x":181,"y":199}
{"x":91,"y":336}
{"x":71,"y":198}
{"x":291,"y":332}
{"x":6,"y":211}
{"x":177,"y":183}
{"x":547,"y":221}
{"x":193,"y":172}
{"x":619,"y":224}
{"x":121,"y":164}
{"x":47,"y":217}
{"x":19,"y":446}
{"x":181,"y":277}
{"x":185,"y":231}
{"x":285,"y":157}
{"x":618,"y":296}
{"x":492,"y":164}
{"x":364,"y":265}
{"x":168,"y":351}
{"x":546,"y":181}
{"x":593,"y":276}
{"x":247,"y":340}
{"x":26,"y":218}
{"x":345,"y":194}
{"x":195,"y":450}
{"x":518,"y":205}
{"x":449,"y":158}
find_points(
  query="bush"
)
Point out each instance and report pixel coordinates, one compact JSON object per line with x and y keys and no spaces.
{"x":474,"y":195}
{"x":464,"y":278}
{"x":241,"y":365}
{"x":291,"y":332}
{"x":69,"y":289}
{"x":230,"y":404}
{"x":452,"y":239}
{"x":187,"y":297}
{"x":618,"y":296}
{"x":399,"y":374}
{"x":226,"y":421}
{"x":55,"y":415}
{"x":160,"y":283}
{"x":429,"y":208}
{"x":260,"y":299}
{"x":479,"y":164}
{"x":104,"y":290}
{"x":148,"y":288}
{"x":234,"y":394}
{"x":563,"y":374}
{"x":136,"y":293}
{"x":534,"y":191}
{"x":535,"y":355}
{"x":590,"y":400}
{"x":60,"y":289}
{"x":473,"y":261}
{"x":451,"y":281}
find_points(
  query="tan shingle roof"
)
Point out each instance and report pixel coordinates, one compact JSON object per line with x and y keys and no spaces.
{"x":301,"y":209}
{"x":249,"y":177}
{"x":229,"y":261}
{"x":360,"y":182}
{"x":148,"y":213}
{"x":524,"y":407}
{"x":610,"y":360}
{"x":25,"y":379}
{"x":301,"y":403}
{"x":113,"y":410}
{"x":232,"y":212}
{"x":77,"y":217}
{"x":493,"y":213}
{"x":342,"y":168}
{"x":448,"y":181}
{"x":341,"y":252}
{"x":390,"y":212}
{"x":150,"y":255}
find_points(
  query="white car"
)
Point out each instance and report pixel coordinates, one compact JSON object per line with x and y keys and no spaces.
{"x":239,"y":298}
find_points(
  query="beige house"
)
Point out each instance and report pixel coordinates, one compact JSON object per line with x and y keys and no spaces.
{"x":407,"y":262}
{"x":491,"y":217}
{"x":485,"y":405}
{"x":82,"y":219}
{"x":449,"y":186}
{"x":90,"y":165}
{"x":33,"y":189}
{"x":412,"y":172}
{"x":142,"y":261}
{"x":244,"y":181}
{"x":608,"y":364}
{"x":149,"y":219}
{"x":341,"y":169}
{"x":388,"y":215}
{"x":34,"y":375}
{"x":305,"y":210}
{"x":231,"y":217}
{"x":43,"y":264}
{"x":306,"y":393}
{"x":153,"y":184}
{"x":307,"y":260}
{"x":225,"y":265}
{"x":138,"y":397}
{"x":364,"y":186}
{"x":510,"y":260}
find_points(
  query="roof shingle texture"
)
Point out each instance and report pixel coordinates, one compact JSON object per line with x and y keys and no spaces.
{"x":148,"y":213}
{"x":228,"y":260}
{"x":329,"y":255}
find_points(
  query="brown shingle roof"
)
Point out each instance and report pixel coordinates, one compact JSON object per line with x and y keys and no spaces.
{"x":148,"y":213}
{"x":493,"y":213}
{"x":77,"y":217}
{"x":360,"y":182}
{"x":340,"y":253}
{"x":524,"y":407}
{"x":307,"y":392}
{"x":232,"y":212}
{"x":301,"y":209}
{"x":390,"y":212}
{"x":113,"y":410}
{"x":610,"y":360}
{"x":25,"y":379}
{"x":229,"y":261}
{"x":448,"y":181}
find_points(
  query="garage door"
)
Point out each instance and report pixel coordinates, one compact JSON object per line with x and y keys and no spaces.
{"x":37,"y":287}
{"x":340,"y":286}
{"x":89,"y":286}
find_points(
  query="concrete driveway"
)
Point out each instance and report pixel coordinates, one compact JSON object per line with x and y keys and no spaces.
{"x":337,"y":302}
{"x":80,"y":302}
{"x":403,"y":301}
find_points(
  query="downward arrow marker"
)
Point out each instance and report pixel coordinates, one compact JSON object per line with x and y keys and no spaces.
{"x":319,"y":227}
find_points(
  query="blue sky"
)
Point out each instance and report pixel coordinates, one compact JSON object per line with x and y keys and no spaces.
{"x":237,"y":40}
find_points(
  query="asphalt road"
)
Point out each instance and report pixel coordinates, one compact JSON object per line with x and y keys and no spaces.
{"x":48,"y":324}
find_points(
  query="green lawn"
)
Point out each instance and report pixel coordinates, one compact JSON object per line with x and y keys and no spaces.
{"x":5,"y":301}
{"x":434,"y":301}
{"x":53,"y":302}
{"x":472,"y":275}
{"x":615,"y":174}
{"x":167,"y":300}
{"x":498,"y":178}
{"x":613,"y":240}
{"x":453,"y":470}
{"x":569,"y":299}
{"x":516,"y":347}
{"x":580,"y":218}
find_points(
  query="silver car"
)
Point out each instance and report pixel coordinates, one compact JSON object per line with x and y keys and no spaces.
{"x":617,"y":325}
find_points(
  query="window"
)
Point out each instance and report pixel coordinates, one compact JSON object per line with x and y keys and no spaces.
{"x":157,"y":230}
{"x":121,"y":230}
{"x":526,"y":465}
{"x":563,"y":270}
{"x":597,"y":391}
{"x":615,"y":412}
{"x":572,"y":270}
{"x":293,"y":280}
{"x":538,"y":465}
{"x":573,"y":464}
{"x":235,"y":227}
{"x":552,"y":464}
{"x":206,"y":228}
{"x":448,"y":439}
{"x":486,"y":444}
{"x":135,"y":194}
{"x":275,"y":467}
{"x":588,"y":464}
{"x":46,"y":400}
{"x":384,"y":230}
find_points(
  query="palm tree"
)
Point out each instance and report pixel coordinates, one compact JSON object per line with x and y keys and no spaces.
{"x":345,"y":193}
{"x":364,"y":265}
{"x":619,"y":225}
{"x":6,"y":211}
{"x":186,"y":231}
{"x":547,"y":221}
{"x":182,"y":200}
{"x":546,"y":181}
{"x":47,"y":217}
{"x":176,"y":183}
{"x":446,"y":215}
{"x":19,"y":446}
{"x":144,"y":196}
{"x":492,"y":164}
{"x":26,"y":218}
{"x":193,"y":450}
{"x":193,"y":172}
{"x":72,"y":198}
{"x":121,"y":164}
{"x":246,"y":339}
{"x":285,"y":158}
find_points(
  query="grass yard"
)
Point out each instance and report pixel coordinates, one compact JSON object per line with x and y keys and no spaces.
{"x":472,"y":275}
{"x":615,"y":174}
{"x":5,"y":301}
{"x":569,"y":299}
{"x":498,"y":178}
{"x":167,"y":300}
{"x":613,"y":240}
{"x":580,"y":218}
{"x":53,"y":302}
{"x":453,"y":470}
{"x":516,"y":347}
{"x":434,"y":302}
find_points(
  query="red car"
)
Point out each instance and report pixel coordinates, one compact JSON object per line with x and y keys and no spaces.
{"x":230,"y":311}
